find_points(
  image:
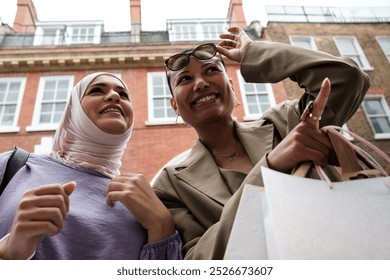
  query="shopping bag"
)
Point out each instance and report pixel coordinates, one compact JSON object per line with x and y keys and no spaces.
{"x":305,"y":219}
{"x":247,"y":237}
{"x":317,"y":219}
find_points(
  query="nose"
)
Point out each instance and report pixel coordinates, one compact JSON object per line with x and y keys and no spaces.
{"x":200,"y":83}
{"x":112,"y":95}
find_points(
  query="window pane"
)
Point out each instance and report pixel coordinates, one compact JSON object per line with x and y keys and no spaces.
{"x":158,"y":113}
{"x":346,"y":46}
{"x":253,"y":109}
{"x":60,"y":107}
{"x":47,"y":107}
{"x":48,"y":92}
{"x":381,"y":125}
{"x":373,"y":107}
{"x":45,"y":118}
{"x":158,"y":91}
{"x":158,"y":102}
{"x":10,"y":109}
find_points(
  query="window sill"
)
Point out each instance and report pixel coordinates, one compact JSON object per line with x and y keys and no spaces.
{"x":41,"y":128}
{"x":9,"y":129}
{"x":164,"y":122}
{"x":382,"y":136}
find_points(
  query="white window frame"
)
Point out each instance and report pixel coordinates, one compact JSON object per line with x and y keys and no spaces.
{"x":308,"y":39}
{"x":203,"y":30}
{"x":386,"y":109}
{"x":36,"y":125}
{"x":94,"y":29}
{"x":380,"y":40}
{"x":270,"y":94}
{"x":152,"y":120}
{"x":65,"y":31}
{"x":359,"y":51}
{"x":14,"y":126}
{"x":59,"y":38}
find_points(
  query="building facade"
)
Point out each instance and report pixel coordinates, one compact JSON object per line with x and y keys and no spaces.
{"x":360,"y":33}
{"x":41,"y":61}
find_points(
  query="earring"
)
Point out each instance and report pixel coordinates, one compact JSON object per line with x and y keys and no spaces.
{"x":237,"y":102}
{"x":177,"y":117}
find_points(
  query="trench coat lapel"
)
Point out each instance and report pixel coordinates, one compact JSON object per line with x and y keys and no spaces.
{"x":256,"y":138}
{"x":199,"y":169}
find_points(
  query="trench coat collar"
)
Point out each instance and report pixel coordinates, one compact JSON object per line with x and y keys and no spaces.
{"x":198,"y":169}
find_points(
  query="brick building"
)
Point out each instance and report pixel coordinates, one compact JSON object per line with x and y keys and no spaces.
{"x":41,"y":61}
{"x":361,"y":33}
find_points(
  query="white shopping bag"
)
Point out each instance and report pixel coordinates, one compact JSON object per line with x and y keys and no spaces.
{"x":305,"y":219}
{"x":247,"y":239}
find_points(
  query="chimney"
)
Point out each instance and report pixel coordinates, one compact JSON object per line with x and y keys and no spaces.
{"x":25,"y":17}
{"x":135,"y":17}
{"x":236,"y":14}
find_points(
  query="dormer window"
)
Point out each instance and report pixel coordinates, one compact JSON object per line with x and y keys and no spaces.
{"x":196,"y":30}
{"x":68,"y":33}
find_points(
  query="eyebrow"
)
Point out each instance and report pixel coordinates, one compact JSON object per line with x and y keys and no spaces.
{"x":105,"y":85}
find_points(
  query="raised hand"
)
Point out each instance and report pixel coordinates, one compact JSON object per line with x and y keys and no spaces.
{"x":135,"y":192}
{"x":41,"y":212}
{"x":306,"y":142}
{"x":234,"y":44}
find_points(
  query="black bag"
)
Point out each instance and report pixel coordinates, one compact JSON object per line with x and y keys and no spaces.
{"x":16,"y":161}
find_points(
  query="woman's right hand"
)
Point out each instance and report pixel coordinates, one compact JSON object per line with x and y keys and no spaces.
{"x":234,"y":44}
{"x":41,"y":212}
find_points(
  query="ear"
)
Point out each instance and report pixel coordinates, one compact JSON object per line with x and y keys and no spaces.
{"x":173,"y":103}
{"x":231,"y":84}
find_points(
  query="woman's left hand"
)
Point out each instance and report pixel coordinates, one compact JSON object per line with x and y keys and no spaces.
{"x":306,"y":142}
{"x":135,"y":192}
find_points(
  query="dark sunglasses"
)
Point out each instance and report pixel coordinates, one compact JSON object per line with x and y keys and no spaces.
{"x":179,"y":61}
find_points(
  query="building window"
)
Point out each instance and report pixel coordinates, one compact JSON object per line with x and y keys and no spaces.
{"x":257,"y":98}
{"x":82,"y":35}
{"x":378,"y":114}
{"x":303,"y":41}
{"x":53,"y":94}
{"x":384,"y":42}
{"x":66,"y":33}
{"x":200,"y":30}
{"x":160,"y":110}
{"x":11,"y":92}
{"x":349,"y":46}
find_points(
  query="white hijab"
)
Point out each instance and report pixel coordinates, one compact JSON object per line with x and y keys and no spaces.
{"x":79,"y":142}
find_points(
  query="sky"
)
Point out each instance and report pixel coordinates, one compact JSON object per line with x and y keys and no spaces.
{"x":154,"y":13}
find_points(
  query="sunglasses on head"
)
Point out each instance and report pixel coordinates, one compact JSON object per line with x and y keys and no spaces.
{"x":179,"y":61}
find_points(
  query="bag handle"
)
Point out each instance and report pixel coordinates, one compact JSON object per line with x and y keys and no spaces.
{"x":346,"y":153}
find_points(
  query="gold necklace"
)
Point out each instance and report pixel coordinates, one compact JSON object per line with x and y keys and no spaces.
{"x":232,"y":155}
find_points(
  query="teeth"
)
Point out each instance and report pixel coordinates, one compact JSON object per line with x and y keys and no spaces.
{"x":111,"y":110}
{"x":206,"y":98}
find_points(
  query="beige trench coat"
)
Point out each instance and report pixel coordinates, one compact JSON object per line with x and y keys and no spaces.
{"x":194,"y":191}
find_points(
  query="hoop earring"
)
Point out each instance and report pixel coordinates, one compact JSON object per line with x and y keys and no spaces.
{"x":176,"y":123}
{"x":237,"y":102}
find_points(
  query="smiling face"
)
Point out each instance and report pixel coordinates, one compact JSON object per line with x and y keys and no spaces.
{"x":202,"y":91}
{"x":107,"y":103}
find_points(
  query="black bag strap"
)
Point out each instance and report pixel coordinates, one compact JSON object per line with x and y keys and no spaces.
{"x":16,"y":161}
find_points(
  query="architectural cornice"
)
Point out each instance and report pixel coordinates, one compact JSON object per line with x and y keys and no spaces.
{"x":54,"y":60}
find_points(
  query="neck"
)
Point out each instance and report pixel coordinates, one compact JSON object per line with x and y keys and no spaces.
{"x":220,"y":139}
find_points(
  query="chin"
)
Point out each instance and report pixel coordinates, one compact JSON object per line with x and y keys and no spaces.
{"x":114,"y":128}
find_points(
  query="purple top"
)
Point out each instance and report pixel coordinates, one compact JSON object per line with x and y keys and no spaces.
{"x":92,"y":230}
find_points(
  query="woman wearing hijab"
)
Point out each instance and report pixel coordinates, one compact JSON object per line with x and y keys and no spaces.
{"x":74,"y":203}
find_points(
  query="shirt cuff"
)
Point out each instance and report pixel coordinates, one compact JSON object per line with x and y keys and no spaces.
{"x":6,"y":236}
